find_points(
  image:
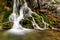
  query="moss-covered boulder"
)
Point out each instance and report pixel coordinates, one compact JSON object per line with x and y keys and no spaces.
{"x":26,"y":23}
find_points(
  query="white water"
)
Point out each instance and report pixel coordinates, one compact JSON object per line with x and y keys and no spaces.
{"x":36,"y":25}
{"x":45,"y":24}
{"x":52,"y":0}
{"x":17,"y":28}
{"x":13,"y":16}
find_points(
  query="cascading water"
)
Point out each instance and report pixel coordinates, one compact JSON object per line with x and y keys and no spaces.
{"x":36,"y":25}
{"x":13,"y":15}
{"x":17,"y":28}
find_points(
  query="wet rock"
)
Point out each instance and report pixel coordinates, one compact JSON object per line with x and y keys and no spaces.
{"x":33,"y":3}
{"x":58,"y":11}
{"x":58,"y":1}
{"x":42,"y":10}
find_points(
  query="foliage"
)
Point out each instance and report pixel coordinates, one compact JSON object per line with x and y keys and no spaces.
{"x":6,"y":16}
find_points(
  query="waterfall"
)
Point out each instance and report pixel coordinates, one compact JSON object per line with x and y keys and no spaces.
{"x":33,"y":22}
{"x":17,"y":28}
{"x":13,"y":16}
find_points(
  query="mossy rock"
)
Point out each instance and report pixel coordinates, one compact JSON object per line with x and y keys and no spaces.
{"x":30,"y":18}
{"x":6,"y":16}
{"x":38,"y":20}
{"x":7,"y":26}
{"x":26,"y":23}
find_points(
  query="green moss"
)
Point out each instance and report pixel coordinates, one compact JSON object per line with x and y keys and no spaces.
{"x":0,"y":24}
{"x":6,"y":16}
{"x":34,"y":15}
{"x":7,"y":26}
{"x":49,"y":21}
{"x":45,"y":18}
{"x":30,"y":18}
{"x":38,"y":20}
{"x":26,"y":23}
